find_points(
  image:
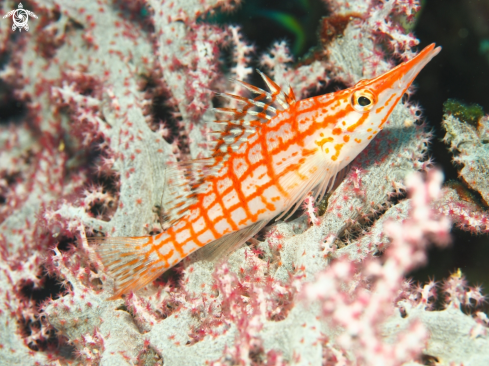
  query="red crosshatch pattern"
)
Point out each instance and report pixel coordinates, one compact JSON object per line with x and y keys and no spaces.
{"x":297,"y":150}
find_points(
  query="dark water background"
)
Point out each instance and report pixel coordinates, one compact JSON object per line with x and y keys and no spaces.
{"x":460,"y":71}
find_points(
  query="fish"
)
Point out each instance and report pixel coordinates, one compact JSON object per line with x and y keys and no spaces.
{"x":270,"y":152}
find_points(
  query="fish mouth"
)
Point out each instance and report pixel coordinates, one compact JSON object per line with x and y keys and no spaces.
{"x":408,"y":70}
{"x":402,"y":76}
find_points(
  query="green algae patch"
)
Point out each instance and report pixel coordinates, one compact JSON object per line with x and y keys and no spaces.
{"x":466,"y":113}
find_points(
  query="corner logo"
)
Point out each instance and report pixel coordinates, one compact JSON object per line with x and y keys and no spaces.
{"x":20,"y":17}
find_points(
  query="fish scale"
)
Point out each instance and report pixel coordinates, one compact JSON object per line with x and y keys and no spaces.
{"x":260,"y":168}
{"x":229,"y":207}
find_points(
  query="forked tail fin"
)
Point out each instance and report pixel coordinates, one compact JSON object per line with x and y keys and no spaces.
{"x":131,"y":261}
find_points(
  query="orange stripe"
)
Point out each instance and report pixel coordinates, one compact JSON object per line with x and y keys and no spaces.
{"x":388,"y":113}
{"x":262,"y":131}
{"x":225,"y":212}
{"x":359,"y":122}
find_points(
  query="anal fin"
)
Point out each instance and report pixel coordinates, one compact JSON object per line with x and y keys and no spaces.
{"x":130,"y":261}
{"x":229,"y":243}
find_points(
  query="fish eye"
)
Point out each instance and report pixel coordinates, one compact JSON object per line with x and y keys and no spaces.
{"x":363,"y":100}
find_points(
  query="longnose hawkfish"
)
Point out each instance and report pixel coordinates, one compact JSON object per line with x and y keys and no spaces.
{"x":271,"y":152}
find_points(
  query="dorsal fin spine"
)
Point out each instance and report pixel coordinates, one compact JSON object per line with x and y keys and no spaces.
{"x":188,"y":179}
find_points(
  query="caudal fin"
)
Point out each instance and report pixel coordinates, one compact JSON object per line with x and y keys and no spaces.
{"x":130,"y":261}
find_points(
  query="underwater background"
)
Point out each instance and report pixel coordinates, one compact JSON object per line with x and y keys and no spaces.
{"x":70,"y":175}
{"x":460,"y":71}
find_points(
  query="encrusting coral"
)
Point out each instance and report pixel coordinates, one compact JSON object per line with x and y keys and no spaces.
{"x":468,"y":135}
{"x":89,"y":157}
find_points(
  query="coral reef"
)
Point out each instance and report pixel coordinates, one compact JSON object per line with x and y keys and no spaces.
{"x":114,"y":92}
{"x":468,"y":136}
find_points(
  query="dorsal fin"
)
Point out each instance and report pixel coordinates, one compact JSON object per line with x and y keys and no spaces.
{"x":183,"y":182}
{"x":187,"y":179}
{"x":249,"y":115}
